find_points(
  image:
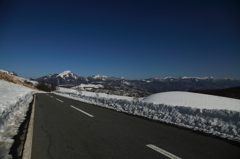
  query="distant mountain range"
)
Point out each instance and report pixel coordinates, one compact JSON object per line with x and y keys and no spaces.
{"x":149,"y":86}
{"x":67,"y":78}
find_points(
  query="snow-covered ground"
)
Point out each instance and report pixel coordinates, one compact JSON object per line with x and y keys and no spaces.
{"x":194,"y":100}
{"x":91,"y":94}
{"x":33,"y":83}
{"x":87,"y":86}
{"x":214,"y":115}
{"x":14,"y":103}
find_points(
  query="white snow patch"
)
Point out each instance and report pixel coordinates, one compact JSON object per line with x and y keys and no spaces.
{"x":91,"y":94}
{"x":87,"y":86}
{"x":126,"y":83}
{"x":99,"y":76}
{"x":14,"y":102}
{"x":184,"y":77}
{"x":67,"y":90}
{"x":194,"y":100}
{"x":34,"y":83}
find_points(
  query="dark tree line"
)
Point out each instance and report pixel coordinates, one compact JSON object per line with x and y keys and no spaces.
{"x":233,"y":92}
{"x":42,"y":85}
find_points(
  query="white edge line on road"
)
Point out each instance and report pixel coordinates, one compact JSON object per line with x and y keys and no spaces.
{"x":82,"y":111}
{"x":59,"y":100}
{"x":27,"y":150}
{"x":165,"y":153}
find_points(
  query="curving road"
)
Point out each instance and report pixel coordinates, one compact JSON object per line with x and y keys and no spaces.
{"x":69,"y":129}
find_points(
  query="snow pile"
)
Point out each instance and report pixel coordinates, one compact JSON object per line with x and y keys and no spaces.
{"x":196,"y":100}
{"x":221,"y":117}
{"x":67,"y":90}
{"x":14,"y":102}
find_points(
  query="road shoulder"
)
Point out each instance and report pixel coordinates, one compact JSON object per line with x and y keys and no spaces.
{"x":28,"y":143}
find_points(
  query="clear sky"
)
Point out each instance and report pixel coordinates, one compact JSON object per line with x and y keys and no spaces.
{"x":134,"y":39}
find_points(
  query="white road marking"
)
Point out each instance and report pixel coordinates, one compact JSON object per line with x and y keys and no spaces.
{"x":83,"y":111}
{"x":168,"y":154}
{"x":59,"y":100}
{"x":51,"y":96}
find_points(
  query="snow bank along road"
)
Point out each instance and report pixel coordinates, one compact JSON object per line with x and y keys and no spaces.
{"x":65,"y":128}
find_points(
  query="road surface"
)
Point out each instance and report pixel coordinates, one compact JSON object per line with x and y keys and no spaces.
{"x":68,"y":129}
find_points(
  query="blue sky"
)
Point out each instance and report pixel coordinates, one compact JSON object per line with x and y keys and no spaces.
{"x":132,"y":39}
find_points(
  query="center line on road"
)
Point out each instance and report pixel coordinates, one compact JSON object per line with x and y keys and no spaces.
{"x":168,"y":154}
{"x":59,"y":100}
{"x":82,"y":111}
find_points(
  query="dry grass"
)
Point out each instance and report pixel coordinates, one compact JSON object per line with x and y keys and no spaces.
{"x":10,"y":78}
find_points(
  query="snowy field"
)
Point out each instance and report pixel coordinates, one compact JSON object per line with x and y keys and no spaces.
{"x":34,"y":83}
{"x":214,"y":115}
{"x":92,"y":94}
{"x":196,"y":100}
{"x":87,"y":86}
{"x":14,"y":103}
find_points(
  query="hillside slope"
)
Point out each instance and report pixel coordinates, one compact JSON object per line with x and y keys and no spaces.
{"x":7,"y":77}
{"x":233,"y":92}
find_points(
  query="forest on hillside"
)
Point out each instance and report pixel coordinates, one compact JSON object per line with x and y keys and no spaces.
{"x":233,"y":92}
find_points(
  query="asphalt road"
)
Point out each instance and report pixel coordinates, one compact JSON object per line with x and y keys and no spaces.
{"x":69,"y":129}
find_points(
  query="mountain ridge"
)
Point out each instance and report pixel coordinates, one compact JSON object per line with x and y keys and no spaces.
{"x":151,"y":85}
{"x":99,"y":76}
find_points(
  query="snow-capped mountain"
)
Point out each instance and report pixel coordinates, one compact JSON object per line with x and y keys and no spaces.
{"x":184,"y":78}
{"x":67,"y":74}
{"x":64,"y":78}
{"x":187,"y":83}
